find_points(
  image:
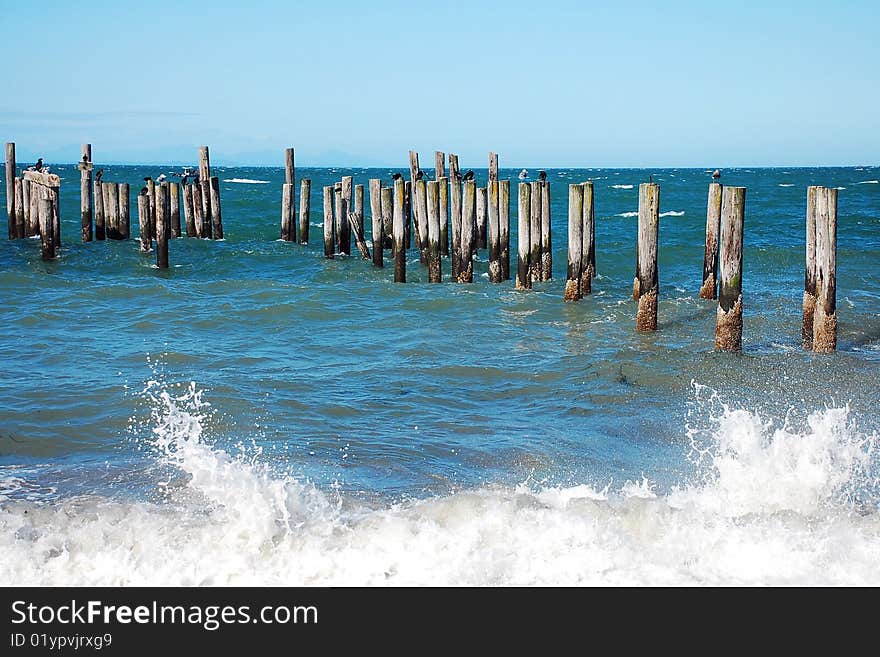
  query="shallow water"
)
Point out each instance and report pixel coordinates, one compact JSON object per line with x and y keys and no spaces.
{"x":360,"y":431}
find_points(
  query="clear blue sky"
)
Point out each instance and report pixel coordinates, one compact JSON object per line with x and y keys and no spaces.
{"x":543,"y":83}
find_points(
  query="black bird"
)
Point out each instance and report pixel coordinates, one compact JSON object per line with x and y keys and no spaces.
{"x":38,"y":166}
{"x":542,"y":175}
{"x":144,"y":191}
{"x":420,"y":175}
{"x":716,"y":175}
{"x":396,"y":176}
{"x":468,"y":175}
{"x":147,"y":179}
{"x":85,"y":158}
{"x":183,"y":180}
{"x":98,"y":175}
{"x":651,"y":178}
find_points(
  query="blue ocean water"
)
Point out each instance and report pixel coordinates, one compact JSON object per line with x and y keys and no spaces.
{"x":258,"y":413}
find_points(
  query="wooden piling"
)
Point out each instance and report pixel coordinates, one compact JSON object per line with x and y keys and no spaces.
{"x":710,"y":256}
{"x":546,"y":239}
{"x":809,"y":303}
{"x":493,"y":167}
{"x":420,"y":213}
{"x":408,"y":213}
{"x":455,"y":195}
{"x":188,"y":213}
{"x":55,"y":195}
{"x":198,"y":211}
{"x":337,"y":214}
{"x":204,"y":164}
{"x":433,"y":201}
{"x":454,"y":173}
{"x":359,"y":239}
{"x":468,"y":236}
{"x":588,"y":236}
{"x":728,"y":318}
{"x":124,"y":225}
{"x":305,"y":208}
{"x":162,"y":221}
{"x":29,"y":211}
{"x":524,"y":245}
{"x":504,"y":227}
{"x":535,"y":232}
{"x":344,"y":245}
{"x":47,"y":235}
{"x":329,"y":198}
{"x":207,"y":218}
{"x":19,"y":209}
{"x":10,"y":187}
{"x":85,"y":192}
{"x":144,"y":219}
{"x":443,"y":194}
{"x":151,"y":195}
{"x":645,"y":286}
{"x":825,"y":319}
{"x":286,"y":213}
{"x":387,"y":201}
{"x":289,"y":169}
{"x":111,"y":210}
{"x":439,"y":165}
{"x":495,"y":273}
{"x":174,"y":199}
{"x":217,"y":215}
{"x":359,"y":210}
{"x":575,"y":242}
{"x":100,"y":226}
{"x":482,"y":217}
{"x":398,"y":229}
{"x":376,"y":221}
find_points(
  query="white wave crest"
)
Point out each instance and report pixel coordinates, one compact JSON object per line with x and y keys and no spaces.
{"x":621,"y":186}
{"x":246,"y":181}
{"x":628,"y":214}
{"x":869,"y":182}
{"x":672,"y":213}
{"x":772,"y":506}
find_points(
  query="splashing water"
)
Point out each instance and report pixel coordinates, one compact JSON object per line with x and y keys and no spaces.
{"x":770,"y":505}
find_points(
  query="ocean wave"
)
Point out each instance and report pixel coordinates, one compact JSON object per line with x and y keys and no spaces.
{"x":247,"y":181}
{"x":672,"y":213}
{"x":628,"y":214}
{"x":621,"y":186}
{"x":869,"y":182}
{"x":786,"y":184}
{"x":772,"y":505}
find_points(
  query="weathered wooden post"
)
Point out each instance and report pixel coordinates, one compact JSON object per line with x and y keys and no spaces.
{"x":455,"y":191}
{"x":710,"y":257}
{"x":453,"y":167}
{"x":35,"y":192}
{"x":359,"y":211}
{"x":174,"y":196}
{"x":188,"y":212}
{"x":217,"y":215}
{"x":337,"y":213}
{"x":376,"y":219}
{"x":588,"y":235}
{"x":535,"y":232}
{"x":47,"y":235}
{"x":443,"y":192}
{"x":495,"y":273}
{"x":204,"y":164}
{"x":524,"y":244}
{"x":329,"y":197}
{"x":29,"y":229}
{"x":493,"y":166}
{"x":482,"y":218}
{"x":433,"y":199}
{"x":162,"y":221}
{"x":413,"y":211}
{"x":575,"y":242}
{"x":408,"y":212}
{"x":286,"y":213}
{"x":305,"y":208}
{"x":421,"y":220}
{"x":125,"y":211}
{"x":504,"y":226}
{"x":387,"y":200}
{"x":728,"y":318}
{"x":546,"y":239}
{"x":54,"y":191}
{"x":10,"y":187}
{"x":151,"y":195}
{"x":207,"y":219}
{"x":100,"y":226}
{"x":359,"y":239}
{"x":19,"y":209}
{"x":439,"y":165}
{"x":399,"y":250}
{"x":144,"y":220}
{"x":809,"y":304}
{"x":645,"y":286}
{"x":198,"y":207}
{"x":111,"y":210}
{"x":825,"y":319}
{"x":345,"y":237}
{"x":85,"y":192}
{"x":468,"y":238}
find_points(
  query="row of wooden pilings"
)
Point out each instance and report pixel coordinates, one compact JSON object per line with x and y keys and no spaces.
{"x":104,"y":206}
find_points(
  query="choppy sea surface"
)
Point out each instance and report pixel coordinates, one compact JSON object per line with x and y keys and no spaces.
{"x":257,"y":414}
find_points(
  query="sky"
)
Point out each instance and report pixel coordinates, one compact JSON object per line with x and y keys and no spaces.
{"x":544,"y":84}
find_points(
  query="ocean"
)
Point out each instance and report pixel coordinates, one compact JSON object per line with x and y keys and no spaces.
{"x":258,"y":414}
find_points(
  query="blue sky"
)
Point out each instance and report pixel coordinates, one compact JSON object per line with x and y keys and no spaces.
{"x":543,"y":83}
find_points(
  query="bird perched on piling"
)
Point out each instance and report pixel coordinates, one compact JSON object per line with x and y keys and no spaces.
{"x":468,"y":175}
{"x":716,"y":175}
{"x":85,"y":158}
{"x":542,"y":175}
{"x":144,"y":191}
{"x":98,"y":175}
{"x":420,"y":175}
{"x":184,"y":179}
{"x":38,"y":167}
{"x":147,"y":179}
{"x":162,"y":178}
{"x":396,"y":176}
{"x":523,"y":174}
